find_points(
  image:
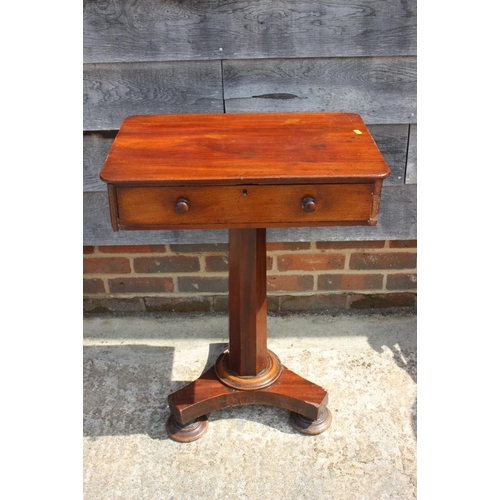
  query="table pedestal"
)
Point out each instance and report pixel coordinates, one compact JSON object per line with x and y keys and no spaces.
{"x":247,"y":373}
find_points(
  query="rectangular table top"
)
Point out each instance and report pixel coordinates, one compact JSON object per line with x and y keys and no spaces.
{"x":232,"y":149}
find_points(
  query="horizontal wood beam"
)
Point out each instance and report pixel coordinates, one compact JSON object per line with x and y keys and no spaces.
{"x":383,"y":90}
{"x":128,"y":31}
{"x":111,"y":92}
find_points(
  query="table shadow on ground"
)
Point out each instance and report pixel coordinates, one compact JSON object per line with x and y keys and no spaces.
{"x":126,"y":389}
{"x":126,"y":386}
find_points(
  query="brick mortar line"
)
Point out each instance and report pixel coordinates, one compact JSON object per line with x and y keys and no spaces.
{"x":160,"y":294}
{"x":349,"y":290}
{"x":274,"y":263}
{"x":274,"y":258}
{"x":271,"y":272}
{"x":125,"y":254}
{"x":182,"y":295}
{"x":202,"y":258}
{"x":174,"y":276}
{"x":313,"y":251}
{"x":315,"y":288}
{"x":203,"y":263}
{"x":215,"y":253}
{"x":225,"y":294}
{"x":343,"y":271}
{"x":340,"y":273}
{"x":344,"y":250}
{"x":152,"y":254}
{"x":171,"y":274}
{"x":347,"y":260}
{"x":315,"y":283}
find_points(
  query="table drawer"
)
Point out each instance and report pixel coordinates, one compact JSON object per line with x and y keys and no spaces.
{"x":245,"y":206}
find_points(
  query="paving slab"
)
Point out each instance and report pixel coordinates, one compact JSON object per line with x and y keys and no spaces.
{"x":366,"y":362}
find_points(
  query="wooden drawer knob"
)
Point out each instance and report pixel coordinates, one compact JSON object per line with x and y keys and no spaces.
{"x":308,"y":204}
{"x":182,"y":206}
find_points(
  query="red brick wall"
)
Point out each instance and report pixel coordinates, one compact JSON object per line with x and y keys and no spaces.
{"x":301,"y":276}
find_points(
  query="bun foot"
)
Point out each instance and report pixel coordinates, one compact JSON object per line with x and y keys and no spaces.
{"x":189,"y":432}
{"x":309,"y":426}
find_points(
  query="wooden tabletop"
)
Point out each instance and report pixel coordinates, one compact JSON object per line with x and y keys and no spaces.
{"x":215,"y":149}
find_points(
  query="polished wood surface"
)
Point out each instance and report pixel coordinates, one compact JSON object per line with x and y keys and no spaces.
{"x":247,"y":301}
{"x":148,"y":207}
{"x":228,"y":149}
{"x":206,"y":394}
{"x":244,"y":173}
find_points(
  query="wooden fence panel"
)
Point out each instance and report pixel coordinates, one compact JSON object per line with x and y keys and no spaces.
{"x":392,"y":141}
{"x":127,"y":30}
{"x":96,"y":147}
{"x":111,"y":92}
{"x":382,"y":89}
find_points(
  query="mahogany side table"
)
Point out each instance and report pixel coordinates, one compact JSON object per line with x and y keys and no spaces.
{"x":245,"y":173}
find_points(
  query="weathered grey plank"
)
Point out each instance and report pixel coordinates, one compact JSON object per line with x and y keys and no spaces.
{"x":156,"y":30}
{"x":411,"y":165}
{"x":112,"y":92}
{"x":95,"y":149}
{"x":391,"y":139}
{"x":381,"y":89}
{"x":397,"y":220}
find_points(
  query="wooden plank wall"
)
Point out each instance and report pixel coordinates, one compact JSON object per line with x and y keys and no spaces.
{"x":219,"y":56}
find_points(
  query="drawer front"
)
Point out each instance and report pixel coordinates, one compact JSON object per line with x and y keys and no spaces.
{"x":244,"y":206}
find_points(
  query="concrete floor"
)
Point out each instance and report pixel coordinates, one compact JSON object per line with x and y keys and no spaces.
{"x":367,"y":363}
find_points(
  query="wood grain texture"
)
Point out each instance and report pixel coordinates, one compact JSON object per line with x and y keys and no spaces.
{"x":397,"y":220}
{"x":207,"y":394}
{"x":392,"y":140}
{"x":111,"y":92}
{"x":411,"y":165}
{"x":248,"y":148}
{"x":96,"y":147}
{"x":127,"y":30}
{"x":113,"y":207}
{"x":244,"y":206}
{"x":381,"y":89}
{"x":247,"y":301}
